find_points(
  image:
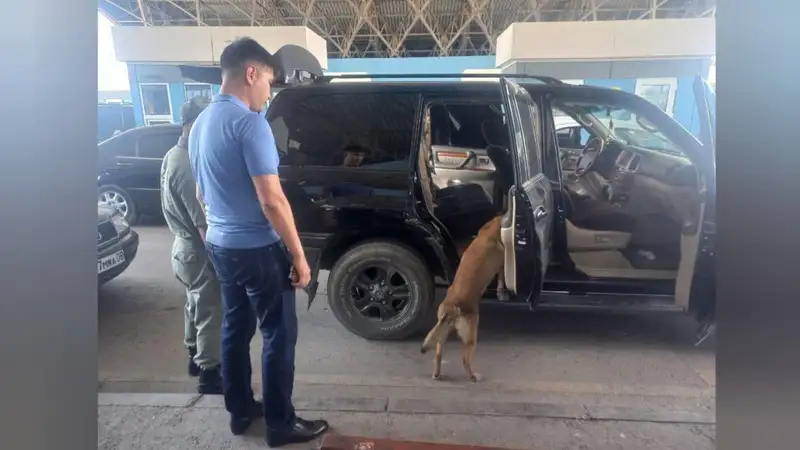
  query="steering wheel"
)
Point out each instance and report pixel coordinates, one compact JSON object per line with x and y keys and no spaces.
{"x":588,"y":155}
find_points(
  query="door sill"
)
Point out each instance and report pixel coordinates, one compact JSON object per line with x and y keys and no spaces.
{"x":551,"y":300}
{"x":608,"y":302}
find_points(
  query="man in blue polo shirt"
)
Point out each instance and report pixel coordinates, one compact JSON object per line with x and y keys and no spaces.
{"x":235,"y":163}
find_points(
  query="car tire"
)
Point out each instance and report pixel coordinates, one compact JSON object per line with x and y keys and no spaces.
{"x":397,"y":257}
{"x":112,"y":190}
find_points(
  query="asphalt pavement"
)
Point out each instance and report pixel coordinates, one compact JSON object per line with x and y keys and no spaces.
{"x":555,"y":374}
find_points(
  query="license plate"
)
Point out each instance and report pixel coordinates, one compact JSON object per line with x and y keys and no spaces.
{"x":110,"y":261}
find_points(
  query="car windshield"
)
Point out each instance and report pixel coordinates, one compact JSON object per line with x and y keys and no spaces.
{"x":634,"y":134}
{"x":623,"y":125}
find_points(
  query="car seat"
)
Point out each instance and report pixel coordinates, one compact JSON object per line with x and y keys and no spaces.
{"x":495,"y":134}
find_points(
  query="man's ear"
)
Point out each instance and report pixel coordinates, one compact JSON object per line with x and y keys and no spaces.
{"x":250,"y":75}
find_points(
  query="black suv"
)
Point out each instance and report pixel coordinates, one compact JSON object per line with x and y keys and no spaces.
{"x":389,"y":182}
{"x":130,"y":167}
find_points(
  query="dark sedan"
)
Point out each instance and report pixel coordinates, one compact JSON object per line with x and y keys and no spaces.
{"x":117,"y":243}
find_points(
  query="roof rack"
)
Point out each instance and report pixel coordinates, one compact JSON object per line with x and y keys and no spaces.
{"x":328,"y":78}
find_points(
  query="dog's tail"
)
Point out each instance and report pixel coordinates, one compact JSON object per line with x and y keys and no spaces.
{"x":438,"y":334}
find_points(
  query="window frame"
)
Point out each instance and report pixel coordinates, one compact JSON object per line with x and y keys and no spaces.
{"x":642,"y":83}
{"x":446,"y":101}
{"x":186,"y":87}
{"x":155,"y":117}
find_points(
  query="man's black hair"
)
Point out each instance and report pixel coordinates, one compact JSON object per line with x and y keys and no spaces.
{"x":245,"y":51}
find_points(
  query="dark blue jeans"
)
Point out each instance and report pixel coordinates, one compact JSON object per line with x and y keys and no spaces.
{"x":256,"y":290}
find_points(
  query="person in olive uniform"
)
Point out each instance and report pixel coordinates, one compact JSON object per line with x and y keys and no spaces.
{"x":186,"y":220}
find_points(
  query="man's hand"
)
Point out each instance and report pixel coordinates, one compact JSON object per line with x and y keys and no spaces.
{"x":301,"y":273}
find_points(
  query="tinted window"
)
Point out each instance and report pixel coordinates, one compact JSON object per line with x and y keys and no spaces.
{"x":156,"y":145}
{"x":118,"y":146}
{"x":113,"y":119}
{"x":109,"y":121}
{"x":370,"y":130}
{"x":128,"y":119}
{"x":467,"y":125}
{"x":529,"y":113}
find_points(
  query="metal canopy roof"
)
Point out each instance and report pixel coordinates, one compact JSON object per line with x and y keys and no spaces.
{"x":391,"y":28}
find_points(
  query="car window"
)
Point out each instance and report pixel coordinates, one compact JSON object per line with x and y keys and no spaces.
{"x":531,"y":137}
{"x":572,"y":137}
{"x":365,"y":130}
{"x":621,"y":124}
{"x":467,"y":125}
{"x":156,"y":145}
{"x":109,"y":121}
{"x":122,"y":145}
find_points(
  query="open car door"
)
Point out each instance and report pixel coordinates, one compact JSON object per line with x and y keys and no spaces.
{"x":527,"y":224}
{"x":695,"y":287}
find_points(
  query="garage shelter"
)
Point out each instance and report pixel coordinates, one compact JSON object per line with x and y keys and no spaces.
{"x":655,"y":59}
{"x":153,"y":54}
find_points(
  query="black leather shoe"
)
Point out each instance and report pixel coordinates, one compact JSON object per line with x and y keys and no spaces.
{"x":194,"y":369}
{"x":210,"y":382}
{"x":240,"y":424}
{"x":302,"y":431}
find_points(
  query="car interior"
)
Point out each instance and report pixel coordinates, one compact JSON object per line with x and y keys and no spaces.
{"x":465,"y":166}
{"x":632,"y":198}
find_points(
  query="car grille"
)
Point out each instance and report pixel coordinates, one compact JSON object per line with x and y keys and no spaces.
{"x":105,"y":232}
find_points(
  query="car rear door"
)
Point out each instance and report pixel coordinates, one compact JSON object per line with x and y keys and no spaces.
{"x":151,"y":147}
{"x":528,"y":222}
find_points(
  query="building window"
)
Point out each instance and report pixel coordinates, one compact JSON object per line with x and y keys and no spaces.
{"x":192,"y":90}
{"x":658,"y":91}
{"x":156,"y":102}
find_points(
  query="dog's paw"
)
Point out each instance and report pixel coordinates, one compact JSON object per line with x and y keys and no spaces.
{"x":436,"y":376}
{"x":475,"y":377}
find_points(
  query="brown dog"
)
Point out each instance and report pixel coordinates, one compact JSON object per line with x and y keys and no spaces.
{"x":481,"y":262}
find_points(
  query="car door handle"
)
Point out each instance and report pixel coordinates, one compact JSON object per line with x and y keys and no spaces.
{"x":123,"y":164}
{"x":539,"y":213}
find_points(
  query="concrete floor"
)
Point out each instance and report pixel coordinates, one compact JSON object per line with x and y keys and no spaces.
{"x":644,"y":366}
{"x":145,"y":427}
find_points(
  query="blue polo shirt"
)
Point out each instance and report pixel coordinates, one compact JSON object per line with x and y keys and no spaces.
{"x":228,"y":145}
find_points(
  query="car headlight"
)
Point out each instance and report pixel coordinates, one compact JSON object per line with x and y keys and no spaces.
{"x":120,"y":224}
